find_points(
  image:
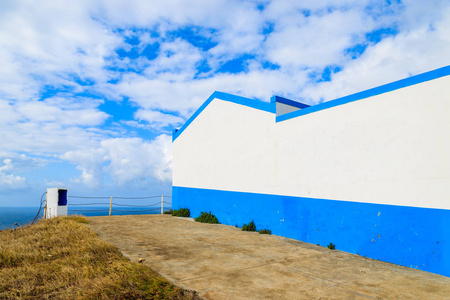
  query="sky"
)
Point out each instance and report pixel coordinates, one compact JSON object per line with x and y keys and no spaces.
{"x":91,"y":90}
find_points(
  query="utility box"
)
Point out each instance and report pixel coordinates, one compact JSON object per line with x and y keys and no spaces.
{"x":56,"y":203}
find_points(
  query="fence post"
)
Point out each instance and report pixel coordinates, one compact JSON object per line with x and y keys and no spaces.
{"x":45,"y":206}
{"x":110,"y":206}
{"x":162,"y":204}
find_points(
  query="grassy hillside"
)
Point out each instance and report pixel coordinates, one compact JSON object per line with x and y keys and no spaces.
{"x":62,"y":258}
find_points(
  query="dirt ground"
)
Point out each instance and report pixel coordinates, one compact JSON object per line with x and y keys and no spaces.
{"x":223,"y":262}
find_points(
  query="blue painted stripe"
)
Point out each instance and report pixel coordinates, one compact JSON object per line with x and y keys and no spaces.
{"x":445,"y":71}
{"x":254,"y":103}
{"x":288,"y":102}
{"x":409,"y":236}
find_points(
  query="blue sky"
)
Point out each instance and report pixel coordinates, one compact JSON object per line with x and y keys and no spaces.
{"x":91,"y":90}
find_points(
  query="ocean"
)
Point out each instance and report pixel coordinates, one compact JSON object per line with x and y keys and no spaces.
{"x":23,"y":215}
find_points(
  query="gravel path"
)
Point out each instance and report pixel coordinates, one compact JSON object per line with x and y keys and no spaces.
{"x":223,"y":262}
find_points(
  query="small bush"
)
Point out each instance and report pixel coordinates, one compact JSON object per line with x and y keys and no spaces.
{"x":168,"y":212}
{"x":182,"y":212}
{"x":207,"y":218}
{"x":249,"y":227}
{"x":331,"y":246}
{"x":265,"y":231}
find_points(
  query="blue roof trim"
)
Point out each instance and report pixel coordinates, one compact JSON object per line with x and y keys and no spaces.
{"x":254,"y":103}
{"x":369,"y":93}
{"x":288,"y":102}
{"x":257,"y":104}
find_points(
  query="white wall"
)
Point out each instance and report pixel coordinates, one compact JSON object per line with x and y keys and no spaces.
{"x":392,"y":148}
{"x":229,"y":147}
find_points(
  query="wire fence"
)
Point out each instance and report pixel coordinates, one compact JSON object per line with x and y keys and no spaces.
{"x":150,"y":204}
{"x":160,"y":204}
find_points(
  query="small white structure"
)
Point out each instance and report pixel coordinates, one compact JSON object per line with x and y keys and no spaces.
{"x":56,"y":203}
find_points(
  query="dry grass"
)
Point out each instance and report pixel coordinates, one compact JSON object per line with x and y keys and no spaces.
{"x":62,"y":258}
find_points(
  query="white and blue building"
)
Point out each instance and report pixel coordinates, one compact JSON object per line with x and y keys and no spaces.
{"x":369,"y":172}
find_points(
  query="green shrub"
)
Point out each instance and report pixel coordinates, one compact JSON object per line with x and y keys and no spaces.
{"x":207,"y":218}
{"x":182,"y":212}
{"x":168,"y":212}
{"x":265,"y":231}
{"x":249,"y":227}
{"x":331,"y":246}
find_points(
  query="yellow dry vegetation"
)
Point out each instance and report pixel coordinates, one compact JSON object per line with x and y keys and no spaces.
{"x":64,"y":259}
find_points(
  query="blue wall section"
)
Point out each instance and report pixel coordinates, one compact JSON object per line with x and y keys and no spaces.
{"x":288,"y":102}
{"x":408,"y":236}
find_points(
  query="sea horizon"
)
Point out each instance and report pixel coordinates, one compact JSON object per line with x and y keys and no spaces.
{"x":22,"y":215}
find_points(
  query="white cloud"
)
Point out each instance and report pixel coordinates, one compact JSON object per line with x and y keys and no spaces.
{"x":89,"y":161}
{"x":415,"y":51}
{"x":55,"y":183}
{"x":156,"y":119}
{"x":49,"y":126}
{"x":131,"y":161}
{"x":11,"y":182}
{"x":315,"y":41}
{"x":60,"y":68}
{"x":134,"y":161}
{"x":12,"y":164}
{"x":178,"y":58}
{"x":8,"y":114}
{"x":307,"y":37}
{"x":187,"y":94}
{"x":52,"y":110}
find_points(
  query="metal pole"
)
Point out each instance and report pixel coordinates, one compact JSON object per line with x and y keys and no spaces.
{"x":162,"y":204}
{"x":110,"y":206}
{"x":45,"y":206}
